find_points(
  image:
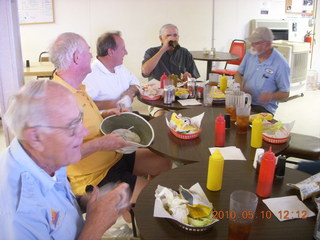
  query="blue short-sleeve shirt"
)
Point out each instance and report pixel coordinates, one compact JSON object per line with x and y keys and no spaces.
{"x":33,"y":204}
{"x":271,"y":75}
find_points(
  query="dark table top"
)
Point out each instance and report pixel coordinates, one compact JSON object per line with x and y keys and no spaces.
{"x":237,"y":175}
{"x":218,"y":56}
{"x":187,"y":151}
{"x":176,"y":105}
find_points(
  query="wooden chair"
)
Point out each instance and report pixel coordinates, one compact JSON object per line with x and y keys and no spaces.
{"x":237,"y":47}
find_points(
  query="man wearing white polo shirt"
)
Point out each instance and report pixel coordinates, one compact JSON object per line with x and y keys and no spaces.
{"x":111,"y":84}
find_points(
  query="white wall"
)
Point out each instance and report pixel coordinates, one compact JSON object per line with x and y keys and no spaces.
{"x":140,"y":20}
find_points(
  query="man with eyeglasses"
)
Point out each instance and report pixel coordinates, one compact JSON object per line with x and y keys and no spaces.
{"x":264,"y":72}
{"x":36,"y":198}
{"x":100,"y":163}
{"x":166,"y":59}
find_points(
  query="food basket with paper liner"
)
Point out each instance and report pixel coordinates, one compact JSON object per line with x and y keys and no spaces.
{"x":132,"y":127}
{"x":276,"y":133}
{"x":188,"y":209}
{"x":151,"y":91}
{"x":182,"y":93}
{"x":184,"y":127}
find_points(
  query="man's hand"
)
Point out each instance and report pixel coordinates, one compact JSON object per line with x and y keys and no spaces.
{"x":112,"y":142}
{"x":103,"y":210}
{"x":113,"y":111}
{"x":186,"y":75}
{"x":165,"y":43}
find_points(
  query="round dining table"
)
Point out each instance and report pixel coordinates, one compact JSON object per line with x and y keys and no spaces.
{"x":215,"y":57}
{"x":237,"y":175}
{"x":195,"y":150}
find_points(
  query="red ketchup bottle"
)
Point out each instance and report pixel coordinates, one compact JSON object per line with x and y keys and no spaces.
{"x":266,"y":174}
{"x":162,"y":80}
{"x":220,"y":128}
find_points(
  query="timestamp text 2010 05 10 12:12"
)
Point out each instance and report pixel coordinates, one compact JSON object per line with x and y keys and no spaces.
{"x":244,"y":215}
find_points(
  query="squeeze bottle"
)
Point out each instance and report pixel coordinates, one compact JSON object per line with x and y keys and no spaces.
{"x":215,"y":171}
{"x":266,"y":174}
{"x":220,"y":131}
{"x":223,"y":83}
{"x":256,"y":133}
{"x":162,"y":80}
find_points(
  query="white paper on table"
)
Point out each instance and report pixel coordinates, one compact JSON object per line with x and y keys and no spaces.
{"x":189,"y":102}
{"x":287,"y":208}
{"x":229,"y":153}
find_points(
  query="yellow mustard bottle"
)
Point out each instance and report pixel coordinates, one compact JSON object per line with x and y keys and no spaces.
{"x":215,"y":171}
{"x":256,"y":133}
{"x":223,"y":83}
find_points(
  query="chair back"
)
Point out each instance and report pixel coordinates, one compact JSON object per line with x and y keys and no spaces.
{"x":237,"y":47}
{"x":44,"y":57}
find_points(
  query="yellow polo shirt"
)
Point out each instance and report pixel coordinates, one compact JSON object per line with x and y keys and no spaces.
{"x":92,"y":169}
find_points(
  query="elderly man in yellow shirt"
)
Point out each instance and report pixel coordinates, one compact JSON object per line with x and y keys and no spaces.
{"x":100,"y":163}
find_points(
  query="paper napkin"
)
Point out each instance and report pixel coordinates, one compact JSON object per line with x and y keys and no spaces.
{"x":229,"y":153}
{"x":287,"y":208}
{"x":189,"y":102}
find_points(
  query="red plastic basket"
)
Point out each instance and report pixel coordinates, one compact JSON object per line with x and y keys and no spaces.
{"x":185,"y":136}
{"x":275,"y":140}
{"x":151,"y":99}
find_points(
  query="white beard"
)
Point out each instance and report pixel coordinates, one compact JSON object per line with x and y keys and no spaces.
{"x":253,"y":51}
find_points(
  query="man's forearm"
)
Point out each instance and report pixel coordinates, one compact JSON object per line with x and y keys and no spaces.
{"x":132,"y":91}
{"x":278,"y":96}
{"x":89,"y":147}
{"x":149,"y":65}
{"x":106,"y":104}
{"x":238,"y":78}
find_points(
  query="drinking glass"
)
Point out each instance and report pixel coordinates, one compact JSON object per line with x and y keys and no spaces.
{"x":243,"y":206}
{"x":230,"y":105}
{"x":243,"y":113}
{"x":207,"y":99}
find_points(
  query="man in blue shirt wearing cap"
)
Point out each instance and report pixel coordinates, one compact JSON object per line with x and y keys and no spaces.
{"x":264,"y":72}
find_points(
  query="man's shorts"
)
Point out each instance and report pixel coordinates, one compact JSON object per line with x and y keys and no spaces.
{"x":153,"y":110}
{"x":122,"y":171}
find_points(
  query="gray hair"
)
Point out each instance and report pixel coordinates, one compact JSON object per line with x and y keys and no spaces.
{"x":29,"y":107}
{"x":105,"y":42}
{"x":164,"y":27}
{"x":63,"y":48}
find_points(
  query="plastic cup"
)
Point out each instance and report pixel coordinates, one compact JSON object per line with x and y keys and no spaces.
{"x":243,"y":113}
{"x":230,"y":105}
{"x":242,"y":210}
{"x":207,"y":99}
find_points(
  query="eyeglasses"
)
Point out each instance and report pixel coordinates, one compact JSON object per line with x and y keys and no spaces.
{"x":256,"y":43}
{"x":73,"y":126}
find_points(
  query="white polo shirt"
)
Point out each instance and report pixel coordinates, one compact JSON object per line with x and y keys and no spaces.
{"x":101,"y":84}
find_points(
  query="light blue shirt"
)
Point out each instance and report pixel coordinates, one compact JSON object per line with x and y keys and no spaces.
{"x":34,"y":205}
{"x":272,"y":75}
